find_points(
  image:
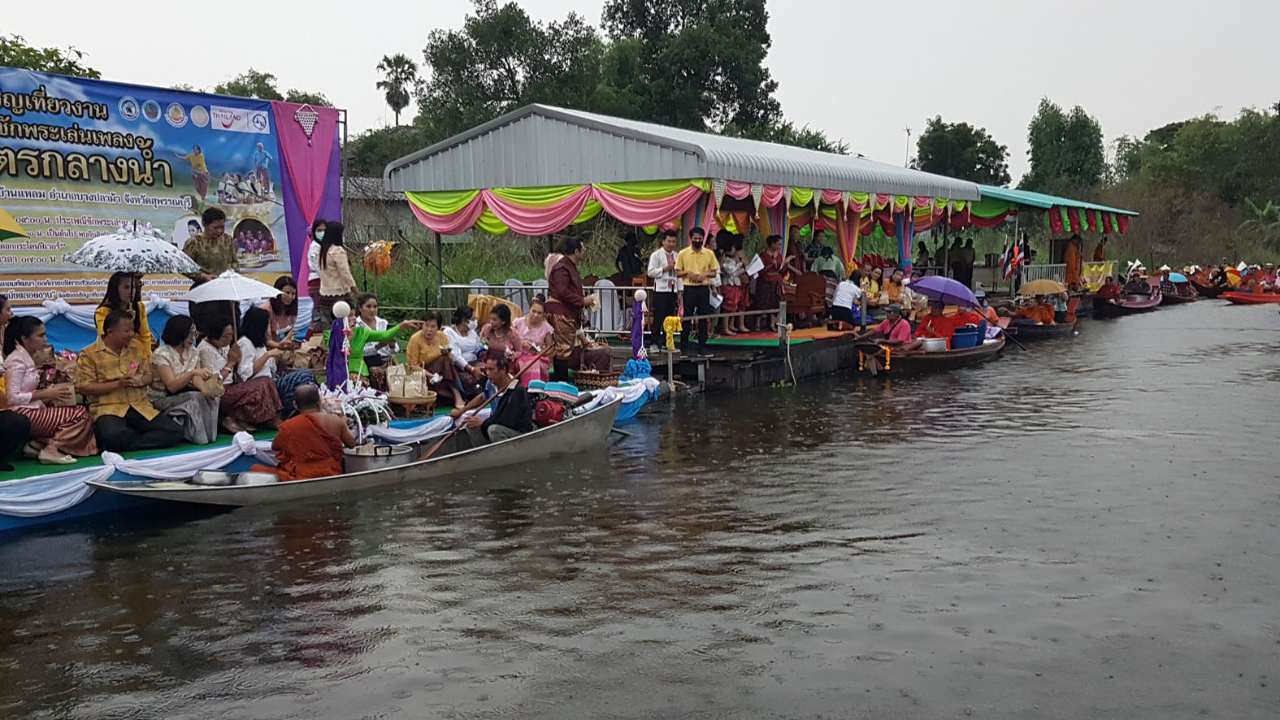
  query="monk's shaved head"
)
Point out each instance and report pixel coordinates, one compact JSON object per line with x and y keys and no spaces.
{"x":307,"y":397}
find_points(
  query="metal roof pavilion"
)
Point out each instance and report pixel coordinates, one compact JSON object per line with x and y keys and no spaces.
{"x":1040,"y":200}
{"x":539,"y":145}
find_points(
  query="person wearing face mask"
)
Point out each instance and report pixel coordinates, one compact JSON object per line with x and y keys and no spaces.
{"x":696,"y":266}
{"x":318,"y":229}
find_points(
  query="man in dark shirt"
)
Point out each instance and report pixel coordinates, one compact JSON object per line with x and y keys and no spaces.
{"x":510,"y":409}
{"x":628,"y":260}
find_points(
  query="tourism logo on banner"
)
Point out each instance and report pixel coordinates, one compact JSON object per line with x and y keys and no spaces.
{"x":240,"y":120}
{"x":78,"y":158}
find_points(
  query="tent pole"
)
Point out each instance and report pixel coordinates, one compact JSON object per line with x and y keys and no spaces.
{"x":439,"y":268}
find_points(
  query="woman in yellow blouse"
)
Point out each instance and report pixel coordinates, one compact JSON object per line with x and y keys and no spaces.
{"x":124,"y":293}
{"x":429,"y":350}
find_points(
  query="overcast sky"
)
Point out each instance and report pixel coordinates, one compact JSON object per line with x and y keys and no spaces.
{"x":860,"y":71}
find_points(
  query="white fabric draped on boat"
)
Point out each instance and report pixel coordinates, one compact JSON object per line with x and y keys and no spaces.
{"x":48,"y":494}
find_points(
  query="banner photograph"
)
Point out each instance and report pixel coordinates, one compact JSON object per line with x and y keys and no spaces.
{"x":79,"y":158}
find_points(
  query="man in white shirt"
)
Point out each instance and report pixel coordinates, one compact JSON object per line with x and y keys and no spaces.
{"x":662,"y":269}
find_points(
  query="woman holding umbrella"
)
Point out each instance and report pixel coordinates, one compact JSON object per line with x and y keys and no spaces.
{"x":124,"y":293}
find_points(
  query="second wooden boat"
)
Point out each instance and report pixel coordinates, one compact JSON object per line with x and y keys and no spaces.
{"x":1027,"y":332}
{"x":915,"y":363}
{"x":1126,"y":305}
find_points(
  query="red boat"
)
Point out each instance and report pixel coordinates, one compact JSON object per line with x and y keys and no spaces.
{"x":1178,"y":293}
{"x":1246,"y":298}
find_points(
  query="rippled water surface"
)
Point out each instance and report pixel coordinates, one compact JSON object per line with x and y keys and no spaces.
{"x":1088,"y":529}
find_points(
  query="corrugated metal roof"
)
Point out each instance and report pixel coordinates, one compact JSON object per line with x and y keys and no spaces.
{"x":1041,"y":200}
{"x":540,"y":145}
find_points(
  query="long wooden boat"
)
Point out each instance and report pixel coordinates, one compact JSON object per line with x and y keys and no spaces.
{"x":581,"y":433}
{"x":1027,"y":332}
{"x":1183,"y":293}
{"x":1247,"y":298}
{"x":1127,"y":305}
{"x":1209,"y":291}
{"x":915,"y":363}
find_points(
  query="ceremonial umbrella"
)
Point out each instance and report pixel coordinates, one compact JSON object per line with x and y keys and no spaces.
{"x":231,"y":287}
{"x":133,"y":251}
{"x":1042,"y":287}
{"x":945,"y":290}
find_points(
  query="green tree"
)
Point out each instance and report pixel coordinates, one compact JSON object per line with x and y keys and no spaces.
{"x":303,"y":97}
{"x":962,"y":151}
{"x":16,"y":53}
{"x":400,"y":74}
{"x":702,"y":65}
{"x":500,"y":60}
{"x":371,"y":151}
{"x":251,"y":84}
{"x":1065,"y":149}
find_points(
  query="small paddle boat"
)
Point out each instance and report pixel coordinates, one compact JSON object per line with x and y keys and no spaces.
{"x":891,"y":363}
{"x":1129,"y":304}
{"x":1028,"y":332}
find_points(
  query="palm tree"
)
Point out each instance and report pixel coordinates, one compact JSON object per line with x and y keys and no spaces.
{"x":400,"y":74}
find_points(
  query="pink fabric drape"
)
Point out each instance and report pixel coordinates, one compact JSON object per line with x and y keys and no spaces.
{"x":832,"y":197}
{"x":457,"y":223}
{"x":631,"y":211}
{"x":737,"y":190}
{"x":305,"y":137}
{"x":773,"y":195}
{"x":540,"y":220}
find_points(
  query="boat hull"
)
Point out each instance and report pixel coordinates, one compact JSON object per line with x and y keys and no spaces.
{"x":580,"y":434}
{"x":1030,"y":333}
{"x":1210,"y":291}
{"x":1129,"y":305}
{"x":922,"y":362}
{"x":1244,"y":298}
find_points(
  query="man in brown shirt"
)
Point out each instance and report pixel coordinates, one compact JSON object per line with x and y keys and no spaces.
{"x":114,"y":376}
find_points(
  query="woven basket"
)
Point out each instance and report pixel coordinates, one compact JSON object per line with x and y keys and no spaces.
{"x":596,"y":380}
{"x":428,"y":399}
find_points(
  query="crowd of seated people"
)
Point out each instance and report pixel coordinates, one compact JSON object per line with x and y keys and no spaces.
{"x":129,"y":391}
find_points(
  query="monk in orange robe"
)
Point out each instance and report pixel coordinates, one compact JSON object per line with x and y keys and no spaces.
{"x":1041,"y":312}
{"x":1072,"y":257}
{"x":309,"y":445}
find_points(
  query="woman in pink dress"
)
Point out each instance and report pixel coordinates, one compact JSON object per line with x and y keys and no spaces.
{"x":534,"y":332}
{"x":65,"y":428}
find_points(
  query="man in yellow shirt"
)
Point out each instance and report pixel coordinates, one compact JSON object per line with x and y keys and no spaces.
{"x":114,"y":375}
{"x":697,"y":267}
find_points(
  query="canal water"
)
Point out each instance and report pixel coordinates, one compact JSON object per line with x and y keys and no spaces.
{"x":1084,"y":530}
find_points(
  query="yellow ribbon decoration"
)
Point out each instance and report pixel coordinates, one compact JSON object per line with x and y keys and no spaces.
{"x":671,"y":327}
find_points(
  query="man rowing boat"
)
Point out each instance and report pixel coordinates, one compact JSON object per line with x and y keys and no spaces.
{"x":510,"y":410}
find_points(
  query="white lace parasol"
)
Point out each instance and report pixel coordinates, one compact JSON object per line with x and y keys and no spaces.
{"x":140,"y":250}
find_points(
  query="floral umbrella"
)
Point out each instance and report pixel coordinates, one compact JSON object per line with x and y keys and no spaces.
{"x":139,"y":251}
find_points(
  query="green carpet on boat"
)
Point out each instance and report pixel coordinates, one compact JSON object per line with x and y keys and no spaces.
{"x":24,"y":468}
{"x":754,"y":342}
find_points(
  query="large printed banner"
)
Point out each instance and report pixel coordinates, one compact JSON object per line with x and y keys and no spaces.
{"x":78,"y":158}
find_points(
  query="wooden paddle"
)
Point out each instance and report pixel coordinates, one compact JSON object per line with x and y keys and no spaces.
{"x":514,"y":381}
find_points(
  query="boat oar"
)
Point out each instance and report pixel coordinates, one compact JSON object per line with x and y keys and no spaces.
{"x":1014,"y":340}
{"x":514,"y":381}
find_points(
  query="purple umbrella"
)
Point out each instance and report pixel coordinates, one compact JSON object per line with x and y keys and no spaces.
{"x":944,"y":290}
